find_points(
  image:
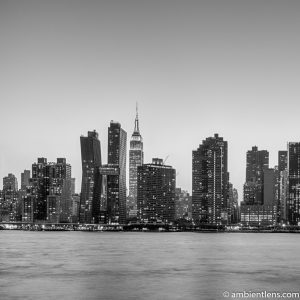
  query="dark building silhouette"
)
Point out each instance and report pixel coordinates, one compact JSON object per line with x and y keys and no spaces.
{"x":156,"y":192}
{"x":25,"y":179}
{"x":210,"y":182}
{"x":116,"y":183}
{"x":136,"y":158}
{"x":91,"y":178}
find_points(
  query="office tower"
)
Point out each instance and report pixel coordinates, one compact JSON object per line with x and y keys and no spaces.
{"x":257,"y":161}
{"x":293,"y":200}
{"x":25,"y":177}
{"x":91,"y":178}
{"x":156,"y":192}
{"x":210,"y":182}
{"x":136,"y":158}
{"x":116,"y":183}
{"x":10,"y":182}
{"x":183,"y":205}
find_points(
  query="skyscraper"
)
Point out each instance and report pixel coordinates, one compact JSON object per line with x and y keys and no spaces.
{"x":39,"y":189}
{"x":293,"y":200}
{"x":136,"y":158}
{"x":257,"y":162}
{"x":91,"y":178}
{"x":210,"y":181}
{"x":156,"y":192}
{"x":9,"y":201}
{"x":260,"y":204}
{"x":116,"y":184}
{"x":25,"y":177}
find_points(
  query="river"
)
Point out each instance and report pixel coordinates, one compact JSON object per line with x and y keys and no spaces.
{"x":145,"y":265}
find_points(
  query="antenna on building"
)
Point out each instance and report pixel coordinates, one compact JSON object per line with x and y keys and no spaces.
{"x":166,"y":159}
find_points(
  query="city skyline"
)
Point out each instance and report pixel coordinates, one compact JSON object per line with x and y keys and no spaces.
{"x":195,"y":69}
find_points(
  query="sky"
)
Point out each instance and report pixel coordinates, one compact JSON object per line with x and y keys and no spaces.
{"x":195,"y":68}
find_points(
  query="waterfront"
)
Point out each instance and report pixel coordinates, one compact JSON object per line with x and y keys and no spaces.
{"x":151,"y":265}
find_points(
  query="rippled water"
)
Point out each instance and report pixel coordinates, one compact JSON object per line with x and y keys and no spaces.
{"x":133,"y":265}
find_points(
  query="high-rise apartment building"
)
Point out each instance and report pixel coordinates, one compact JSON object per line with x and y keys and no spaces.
{"x":257,"y":161}
{"x":293,"y":198}
{"x":210,"y":182}
{"x":48,"y":179}
{"x":91,"y":183}
{"x":156,"y":192}
{"x":9,"y":201}
{"x":136,"y":158}
{"x":39,"y":189}
{"x":10,"y":182}
{"x":116,"y":183}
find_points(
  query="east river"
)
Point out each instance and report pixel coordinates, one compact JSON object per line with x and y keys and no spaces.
{"x":146,"y":265}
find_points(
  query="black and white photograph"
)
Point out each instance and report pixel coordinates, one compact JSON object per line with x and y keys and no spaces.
{"x":149,"y":149}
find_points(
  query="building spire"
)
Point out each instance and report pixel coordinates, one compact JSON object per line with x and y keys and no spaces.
{"x":136,"y":124}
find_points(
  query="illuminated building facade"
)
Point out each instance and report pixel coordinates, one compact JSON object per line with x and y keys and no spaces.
{"x":156,"y":192}
{"x":136,"y":158}
{"x":293,"y":198}
{"x":210,"y":182}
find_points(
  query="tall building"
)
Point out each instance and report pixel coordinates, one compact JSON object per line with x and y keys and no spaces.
{"x":257,"y":161}
{"x":63,"y":181}
{"x":136,"y":158}
{"x":116,"y":183}
{"x":25,"y":178}
{"x":282,"y":182}
{"x":261,"y":191}
{"x":10,"y":182}
{"x":293,"y":200}
{"x":233,"y":206}
{"x":9,"y":201}
{"x":156,"y":192}
{"x":210,"y":182}
{"x":39,"y":189}
{"x":49,"y":180}
{"x":91,"y":178}
{"x":282,"y":160}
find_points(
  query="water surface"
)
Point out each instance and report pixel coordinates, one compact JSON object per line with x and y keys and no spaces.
{"x":136,"y":265}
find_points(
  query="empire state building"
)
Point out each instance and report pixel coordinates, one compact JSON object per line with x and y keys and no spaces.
{"x":136,"y":158}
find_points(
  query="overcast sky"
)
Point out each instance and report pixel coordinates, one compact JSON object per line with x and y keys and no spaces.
{"x":195,"y":67}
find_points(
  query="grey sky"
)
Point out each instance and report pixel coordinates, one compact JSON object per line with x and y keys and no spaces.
{"x":195,"y":67}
